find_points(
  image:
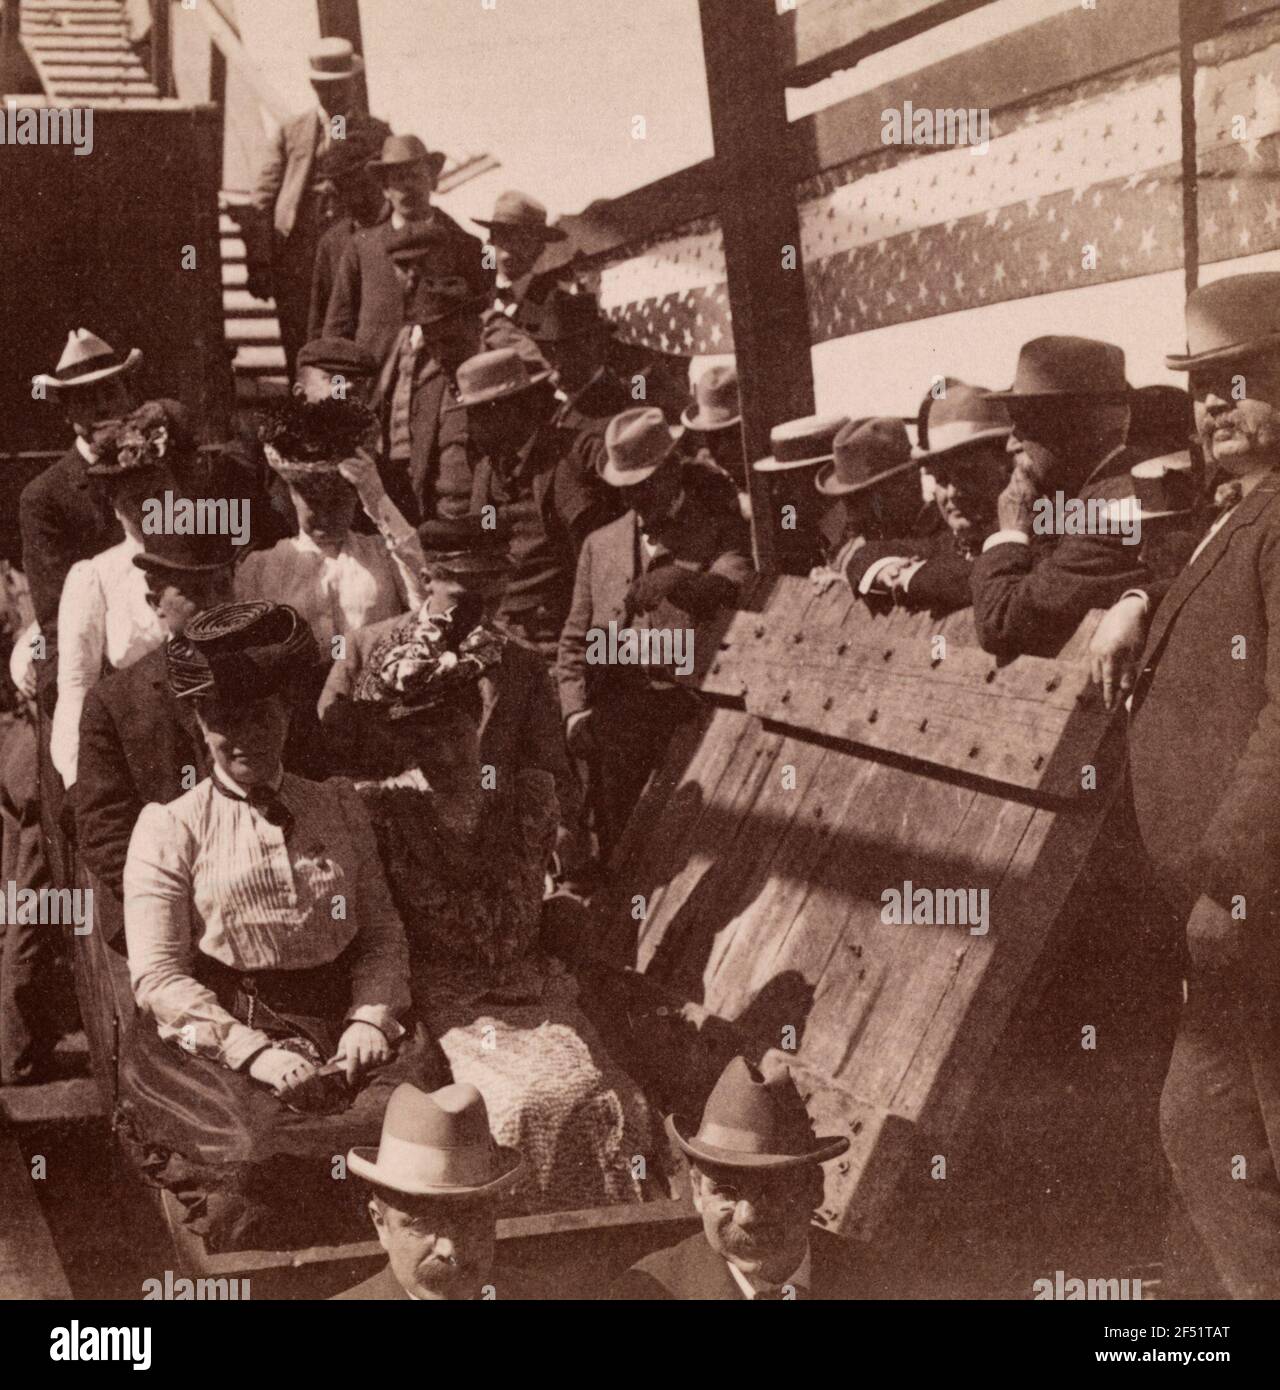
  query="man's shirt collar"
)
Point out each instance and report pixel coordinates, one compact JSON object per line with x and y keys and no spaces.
{"x":800,"y":1277}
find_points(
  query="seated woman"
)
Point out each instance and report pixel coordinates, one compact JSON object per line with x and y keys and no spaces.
{"x":464,"y":854}
{"x":337,"y":579}
{"x":266,"y":948}
{"x":104,"y":618}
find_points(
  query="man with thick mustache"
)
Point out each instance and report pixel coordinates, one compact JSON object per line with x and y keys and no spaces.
{"x":1204,"y":742}
{"x":756,"y":1170}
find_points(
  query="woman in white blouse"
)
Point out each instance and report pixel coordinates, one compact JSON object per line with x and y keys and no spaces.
{"x":104,"y":617}
{"x":337,"y":578}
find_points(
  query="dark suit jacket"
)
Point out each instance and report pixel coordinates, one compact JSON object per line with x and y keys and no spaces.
{"x":367,"y":303}
{"x":692,"y":1270}
{"x":1031,"y":598}
{"x":329,"y":254}
{"x":941,"y":585}
{"x":519,"y":724}
{"x":63,"y":518}
{"x":1204,"y":736}
{"x":384,"y":1285}
{"x":715,"y":541}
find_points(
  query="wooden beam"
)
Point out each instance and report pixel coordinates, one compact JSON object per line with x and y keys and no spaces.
{"x":819,"y":37}
{"x":756,"y":198}
{"x":340,"y":19}
{"x":161,"y":48}
{"x":226,"y":36}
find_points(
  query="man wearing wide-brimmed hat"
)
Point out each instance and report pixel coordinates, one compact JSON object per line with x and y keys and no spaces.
{"x":574,"y":337}
{"x":755,"y":1166}
{"x":292,"y":203}
{"x":1070,"y":412}
{"x":678,"y":554}
{"x":539,"y":478}
{"x":437,"y":1179}
{"x":369,"y":294}
{"x":519,"y":235}
{"x":714,"y":427}
{"x":1204,"y":766}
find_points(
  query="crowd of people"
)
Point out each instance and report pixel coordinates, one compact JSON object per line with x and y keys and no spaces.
{"x":332,"y":780}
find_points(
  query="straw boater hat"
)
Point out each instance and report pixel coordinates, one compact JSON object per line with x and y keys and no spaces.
{"x":334,"y":60}
{"x":241,"y":652}
{"x":494,"y":376}
{"x":1162,"y":487}
{"x":753,"y":1120}
{"x":86,"y":359}
{"x":399,"y":150}
{"x":158,"y":434}
{"x":716,"y":403}
{"x":798,"y":443}
{"x":866,"y":452}
{"x":1230,"y":318}
{"x":965,"y":416}
{"x":515,"y":209}
{"x":437,"y":1145}
{"x":1052,"y":368}
{"x":636,"y":444}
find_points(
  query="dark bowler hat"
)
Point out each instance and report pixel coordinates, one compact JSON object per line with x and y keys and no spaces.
{"x":406,"y":149}
{"x":441,"y":297}
{"x":964,"y":416}
{"x":796,"y":443}
{"x":466,"y":545}
{"x":187,"y":554}
{"x":340,"y":356}
{"x":86,"y":359}
{"x":716,"y":401}
{"x":437,"y":1145}
{"x":1052,"y":367}
{"x":156,"y":434}
{"x":515,"y":209}
{"x":563,"y":315}
{"x":753,"y":1120}
{"x":241,"y":652}
{"x":1230,"y":318}
{"x":867,"y":452}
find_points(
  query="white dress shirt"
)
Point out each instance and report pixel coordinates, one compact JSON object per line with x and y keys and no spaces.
{"x":800,"y":1277}
{"x":103,"y":615}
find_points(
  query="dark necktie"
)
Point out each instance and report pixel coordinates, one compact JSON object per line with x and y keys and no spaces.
{"x":265,"y":800}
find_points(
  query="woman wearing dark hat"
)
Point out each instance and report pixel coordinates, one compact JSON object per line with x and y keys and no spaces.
{"x":465,"y":857}
{"x":104,"y":618}
{"x":337,"y":578}
{"x":263,"y":944}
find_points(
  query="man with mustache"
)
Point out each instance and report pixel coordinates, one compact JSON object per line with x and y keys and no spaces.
{"x":756,"y":1171}
{"x":1204,"y":765}
{"x":437,"y":1180}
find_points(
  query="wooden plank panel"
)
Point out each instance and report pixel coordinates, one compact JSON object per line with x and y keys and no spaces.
{"x":842,"y":30}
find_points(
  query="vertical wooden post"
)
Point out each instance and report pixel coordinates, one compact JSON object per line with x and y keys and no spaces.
{"x":340,"y":19}
{"x":756,"y":198}
{"x":1189,"y":32}
{"x":161,"y":48}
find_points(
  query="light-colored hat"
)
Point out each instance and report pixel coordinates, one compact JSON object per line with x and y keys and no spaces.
{"x":1164,"y":486}
{"x":867,"y":452}
{"x":1232,"y":317}
{"x":86,"y":359}
{"x":334,"y":60}
{"x":436,"y":1145}
{"x":716,"y":400}
{"x":796,"y":443}
{"x":495,"y":375}
{"x":636,"y":444}
{"x":966,"y":415}
{"x":515,"y":209}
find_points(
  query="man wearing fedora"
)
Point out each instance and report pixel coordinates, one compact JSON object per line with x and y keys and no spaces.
{"x":369,"y":297}
{"x":678,"y":553}
{"x":803,"y":532}
{"x":1204,"y":766}
{"x":437,"y":1180}
{"x":1070,"y":413}
{"x":574,"y":337}
{"x":519,"y":238}
{"x":714,"y":428}
{"x":969,"y":465}
{"x":427,"y":461}
{"x":755,"y":1167}
{"x":540,"y":479}
{"x":292,"y":203}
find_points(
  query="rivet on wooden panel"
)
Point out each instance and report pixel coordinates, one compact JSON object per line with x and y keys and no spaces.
{"x":759,"y":629}
{"x":1039,"y":762}
{"x":888,"y":654}
{"x":715,"y":668}
{"x":828,"y":702}
{"x":924,"y":725}
{"x":1053,"y":683}
{"x":856,"y":1127}
{"x":990,"y":676}
{"x":973,"y":752}
{"x":817,"y":813}
{"x":841,"y":648}
{"x":797,"y":636}
{"x":843,"y":1166}
{"x":873,"y":716}
{"x":786,"y":697}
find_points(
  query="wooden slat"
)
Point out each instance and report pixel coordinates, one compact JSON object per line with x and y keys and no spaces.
{"x":29,"y":1263}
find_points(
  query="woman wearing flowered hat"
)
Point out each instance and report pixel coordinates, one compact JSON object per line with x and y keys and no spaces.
{"x":465,"y":849}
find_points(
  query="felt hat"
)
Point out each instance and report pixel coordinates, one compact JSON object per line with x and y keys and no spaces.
{"x":637,"y":443}
{"x":515,"y":209}
{"x":564,"y":315}
{"x":437,"y":1144}
{"x":406,"y":149}
{"x":439,"y":298}
{"x":966,"y":415}
{"x":465,"y":545}
{"x":340,"y":356}
{"x":716,"y":404}
{"x":1230,"y":318}
{"x":866,"y":452}
{"x":153,"y":436}
{"x":349,"y":157}
{"x":334,"y":60}
{"x":182,"y":554}
{"x":753,"y":1120}
{"x":85,"y":359}
{"x":241,"y":652}
{"x":494,"y":376}
{"x":797,"y":443}
{"x":1052,"y":367}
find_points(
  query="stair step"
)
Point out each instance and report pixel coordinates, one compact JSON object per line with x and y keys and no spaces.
{"x":59,"y":72}
{"x":241,"y":304}
{"x":254,"y":360}
{"x":227,"y":225}
{"x":57,"y":42}
{"x":256,"y":332}
{"x":234,"y":274}
{"x":104,"y":89}
{"x":233,"y":248}
{"x":52,"y":53}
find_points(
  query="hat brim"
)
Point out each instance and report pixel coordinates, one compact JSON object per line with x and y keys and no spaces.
{"x":826,"y":482}
{"x":54,"y":383}
{"x":981,"y":437}
{"x":825,"y":1148}
{"x":356,"y":68}
{"x":703,"y":426}
{"x":1119,"y":393}
{"x":467,"y":306}
{"x":432,"y":157}
{"x":363,"y":1162}
{"x":153,"y":563}
{"x":1186,"y":361}
{"x":543,"y":231}
{"x":484,"y":397}
{"x":776,"y":465}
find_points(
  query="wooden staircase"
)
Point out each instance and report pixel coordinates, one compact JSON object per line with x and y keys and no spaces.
{"x":252,"y":331}
{"x":81,"y":52}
